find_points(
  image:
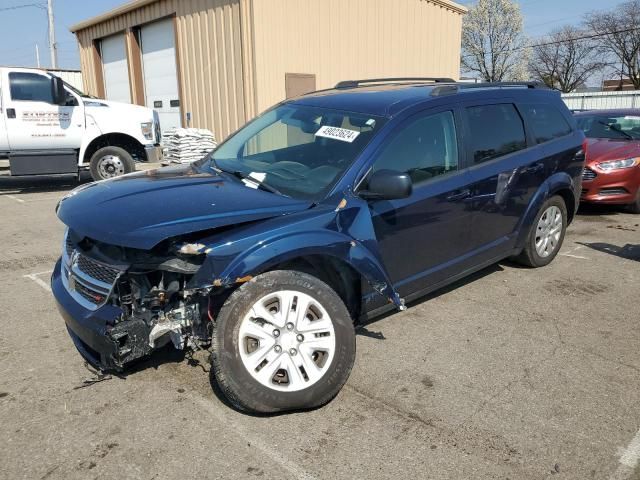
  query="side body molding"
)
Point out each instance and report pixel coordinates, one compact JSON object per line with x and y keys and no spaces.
{"x":340,"y":227}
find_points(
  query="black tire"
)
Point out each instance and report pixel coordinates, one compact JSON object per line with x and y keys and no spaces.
{"x":635,"y":206}
{"x":100,"y":165}
{"x":530,"y":256}
{"x":245,"y":392}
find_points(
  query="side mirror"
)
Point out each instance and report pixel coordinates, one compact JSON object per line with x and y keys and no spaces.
{"x":388,"y":185}
{"x":58,"y":93}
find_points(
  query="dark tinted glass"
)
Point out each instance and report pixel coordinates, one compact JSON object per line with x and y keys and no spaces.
{"x":546,"y":121}
{"x":30,"y":87}
{"x":496,"y":130}
{"x":426,"y":148}
{"x":615,"y":127}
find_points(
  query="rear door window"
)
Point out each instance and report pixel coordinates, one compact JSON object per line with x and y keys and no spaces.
{"x":546,"y":122}
{"x":495,"y":131}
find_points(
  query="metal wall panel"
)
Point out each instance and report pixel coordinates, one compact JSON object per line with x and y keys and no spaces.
{"x":208,"y":50}
{"x":233,"y":54}
{"x":340,"y":40}
{"x":602,"y":100}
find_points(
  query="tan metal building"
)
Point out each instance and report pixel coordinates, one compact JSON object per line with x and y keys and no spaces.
{"x":217,"y":63}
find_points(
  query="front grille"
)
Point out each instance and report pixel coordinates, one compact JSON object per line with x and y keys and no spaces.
{"x":89,"y":294}
{"x":88,"y":281}
{"x":584,"y":192}
{"x":68,"y":245}
{"x":96,"y":270}
{"x":613,"y":191}
{"x":588,"y":174}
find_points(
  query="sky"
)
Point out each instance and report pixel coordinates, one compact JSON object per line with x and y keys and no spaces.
{"x":22,"y":28}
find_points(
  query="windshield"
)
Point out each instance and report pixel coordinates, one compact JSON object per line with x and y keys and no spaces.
{"x":76,"y":91}
{"x":295,"y":150}
{"x":616,"y":127}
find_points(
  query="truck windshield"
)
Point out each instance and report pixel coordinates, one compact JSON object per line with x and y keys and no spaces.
{"x":76,"y":91}
{"x":298,"y":151}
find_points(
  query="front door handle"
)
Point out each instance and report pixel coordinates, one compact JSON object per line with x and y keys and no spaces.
{"x":11,"y":113}
{"x":459,"y":195}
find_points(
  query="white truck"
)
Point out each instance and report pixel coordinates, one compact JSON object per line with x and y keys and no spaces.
{"x":48,"y":127}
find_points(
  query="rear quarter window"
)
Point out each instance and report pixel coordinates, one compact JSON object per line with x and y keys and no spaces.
{"x":546,"y":122}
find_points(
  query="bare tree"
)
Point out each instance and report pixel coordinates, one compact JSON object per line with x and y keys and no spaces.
{"x":565,"y":59}
{"x":493,"y":43}
{"x":618,"y":31}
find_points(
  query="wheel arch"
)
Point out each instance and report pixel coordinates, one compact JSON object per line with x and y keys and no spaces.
{"x":345,"y":280}
{"x":333,"y":257}
{"x":559,"y":184}
{"x":122,"y":140}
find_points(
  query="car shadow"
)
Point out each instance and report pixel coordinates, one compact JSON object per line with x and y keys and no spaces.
{"x":600,"y":210}
{"x":628,"y":252}
{"x":362,"y":329}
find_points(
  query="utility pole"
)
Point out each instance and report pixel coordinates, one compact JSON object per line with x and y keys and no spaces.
{"x":52,"y":36}
{"x":37,"y":56}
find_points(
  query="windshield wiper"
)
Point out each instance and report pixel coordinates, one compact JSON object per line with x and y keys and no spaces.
{"x":257,"y":181}
{"x":616,"y":128}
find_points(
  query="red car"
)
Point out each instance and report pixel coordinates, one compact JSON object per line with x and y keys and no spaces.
{"x":612,"y":172}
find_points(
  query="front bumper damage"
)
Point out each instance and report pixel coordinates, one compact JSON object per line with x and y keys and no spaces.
{"x":100,"y":339}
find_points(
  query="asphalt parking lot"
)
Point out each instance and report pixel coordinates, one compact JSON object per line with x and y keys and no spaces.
{"x":513,"y":373}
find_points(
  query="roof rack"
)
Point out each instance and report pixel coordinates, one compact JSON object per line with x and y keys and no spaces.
{"x":451,"y":89}
{"x":357,"y":83}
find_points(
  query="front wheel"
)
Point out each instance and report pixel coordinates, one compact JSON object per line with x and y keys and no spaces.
{"x":546,"y":234}
{"x":110,"y":162}
{"x":283,"y":341}
{"x":635,"y":206}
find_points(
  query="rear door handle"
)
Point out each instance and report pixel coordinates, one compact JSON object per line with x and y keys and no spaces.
{"x":11,"y":113}
{"x":459,"y":195}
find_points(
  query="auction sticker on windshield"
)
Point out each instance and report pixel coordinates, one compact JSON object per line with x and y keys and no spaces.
{"x":336,"y":133}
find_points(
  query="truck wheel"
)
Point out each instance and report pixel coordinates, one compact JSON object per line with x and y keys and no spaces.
{"x":110,"y":162}
{"x":546,"y":235}
{"x":282,"y":341}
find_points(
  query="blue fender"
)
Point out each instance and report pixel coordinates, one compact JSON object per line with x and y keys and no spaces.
{"x":345,"y":233}
{"x":550,"y":187}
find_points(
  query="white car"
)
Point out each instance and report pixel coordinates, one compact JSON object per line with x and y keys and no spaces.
{"x":49,"y":127}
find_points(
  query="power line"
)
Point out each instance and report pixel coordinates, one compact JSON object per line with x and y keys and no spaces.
{"x":27,"y":5}
{"x":557,"y":42}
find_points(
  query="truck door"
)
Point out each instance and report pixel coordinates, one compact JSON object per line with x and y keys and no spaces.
{"x":33,"y":121}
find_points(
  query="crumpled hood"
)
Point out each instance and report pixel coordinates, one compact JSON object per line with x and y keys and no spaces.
{"x":602,"y":149}
{"x":142,"y":209}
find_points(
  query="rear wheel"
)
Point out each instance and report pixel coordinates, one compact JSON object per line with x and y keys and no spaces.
{"x":111,"y":162}
{"x":546,"y":235}
{"x":283,"y":341}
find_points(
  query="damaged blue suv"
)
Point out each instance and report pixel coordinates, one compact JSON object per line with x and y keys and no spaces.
{"x":326,"y":210}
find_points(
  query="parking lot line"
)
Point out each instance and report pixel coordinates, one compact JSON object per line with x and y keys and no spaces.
{"x":275,"y":455}
{"x":628,"y":460}
{"x":39,"y":281}
{"x":15,"y":199}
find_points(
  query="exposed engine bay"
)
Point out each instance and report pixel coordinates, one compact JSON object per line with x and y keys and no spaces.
{"x":149,"y":288}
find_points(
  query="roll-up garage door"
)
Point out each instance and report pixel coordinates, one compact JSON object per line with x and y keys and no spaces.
{"x":160,"y":73}
{"x":114,"y":67}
